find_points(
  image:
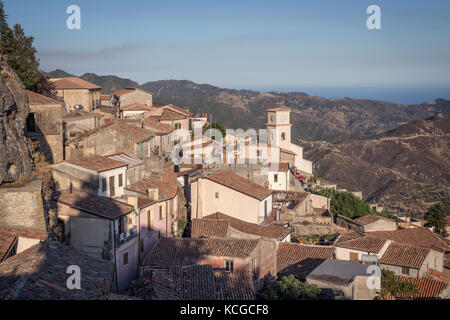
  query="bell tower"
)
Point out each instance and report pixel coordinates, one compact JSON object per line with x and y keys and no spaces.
{"x":279,"y":127}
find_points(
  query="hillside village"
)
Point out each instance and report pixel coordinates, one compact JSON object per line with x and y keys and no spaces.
{"x":106,"y":195}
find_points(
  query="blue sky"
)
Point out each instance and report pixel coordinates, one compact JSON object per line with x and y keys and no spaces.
{"x":320,"y":46}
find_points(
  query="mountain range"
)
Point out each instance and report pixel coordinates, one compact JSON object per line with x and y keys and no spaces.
{"x":396,"y":154}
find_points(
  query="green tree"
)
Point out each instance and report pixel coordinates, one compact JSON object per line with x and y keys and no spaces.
{"x":217,"y":126}
{"x":19,"y":50}
{"x":182,"y":223}
{"x":344,"y":203}
{"x":436,"y":218}
{"x":289,"y":288}
{"x":392,"y":287}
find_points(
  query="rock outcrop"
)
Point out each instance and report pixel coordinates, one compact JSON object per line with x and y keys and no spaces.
{"x":15,"y":152}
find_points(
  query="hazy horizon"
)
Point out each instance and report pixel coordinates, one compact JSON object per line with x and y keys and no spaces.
{"x":289,"y":44}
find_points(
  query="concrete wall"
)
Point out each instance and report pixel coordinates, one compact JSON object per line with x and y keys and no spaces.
{"x":23,"y":207}
{"x":230,"y":202}
{"x":137,"y":96}
{"x":282,"y":183}
{"x":119,"y":190}
{"x":88,"y":98}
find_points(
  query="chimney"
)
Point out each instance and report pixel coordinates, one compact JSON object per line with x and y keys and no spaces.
{"x":153,"y":193}
{"x":133,"y":201}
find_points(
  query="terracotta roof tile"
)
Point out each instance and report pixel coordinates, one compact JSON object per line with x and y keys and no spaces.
{"x":279,"y":109}
{"x":300,"y":260}
{"x":122,"y":92}
{"x":182,"y":111}
{"x":187,"y":251}
{"x":169,"y":115}
{"x":404,"y":255}
{"x":157,"y":127}
{"x":236,"y":182}
{"x":136,"y":107}
{"x":73,"y":83}
{"x":97,"y":163}
{"x":270,"y":231}
{"x":234,"y":285}
{"x":38,"y":99}
{"x":197,"y":282}
{"x":100,"y":206}
{"x":166,"y":190}
{"x":428,"y":288}
{"x":39,"y":273}
{"x":419,"y":236}
{"x":207,"y":228}
{"x":366,"y":244}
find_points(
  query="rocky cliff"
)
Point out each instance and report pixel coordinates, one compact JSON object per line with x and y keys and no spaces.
{"x":15,"y":153}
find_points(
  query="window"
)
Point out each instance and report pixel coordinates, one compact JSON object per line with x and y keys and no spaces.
{"x":161,"y":214}
{"x":405,"y":270}
{"x":125,"y":258}
{"x":272,"y":118}
{"x":283,"y":118}
{"x":217,"y":195}
{"x":283,"y":136}
{"x":229,"y":265}
{"x":112,"y":187}
{"x":120,"y":180}
{"x":354,"y":256}
{"x":104,"y":185}
{"x":275,"y":177}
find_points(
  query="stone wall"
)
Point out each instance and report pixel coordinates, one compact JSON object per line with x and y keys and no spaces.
{"x":23,"y":207}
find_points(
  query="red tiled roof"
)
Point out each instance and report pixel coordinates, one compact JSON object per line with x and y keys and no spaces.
{"x":419,"y":236}
{"x":237,"y":183}
{"x":428,"y":288}
{"x":436,"y":275}
{"x":129,"y":160}
{"x":122,"y":92}
{"x":73,"y":83}
{"x":97,"y":163}
{"x":99,"y":206}
{"x":270,"y":231}
{"x":187,"y":251}
{"x":157,"y":127}
{"x":126,"y":127}
{"x":404,"y":255}
{"x":288,"y":151}
{"x":366,"y":244}
{"x":39,"y":273}
{"x":198,"y":282}
{"x":300,"y":260}
{"x":105,"y":97}
{"x":169,"y":115}
{"x":38,"y":99}
{"x":8,"y":237}
{"x":136,"y":107}
{"x":348,"y":236}
{"x":234,"y":285}
{"x":166,"y":190}
{"x":207,"y":228}
{"x":178,"y":110}
{"x":6,"y":243}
